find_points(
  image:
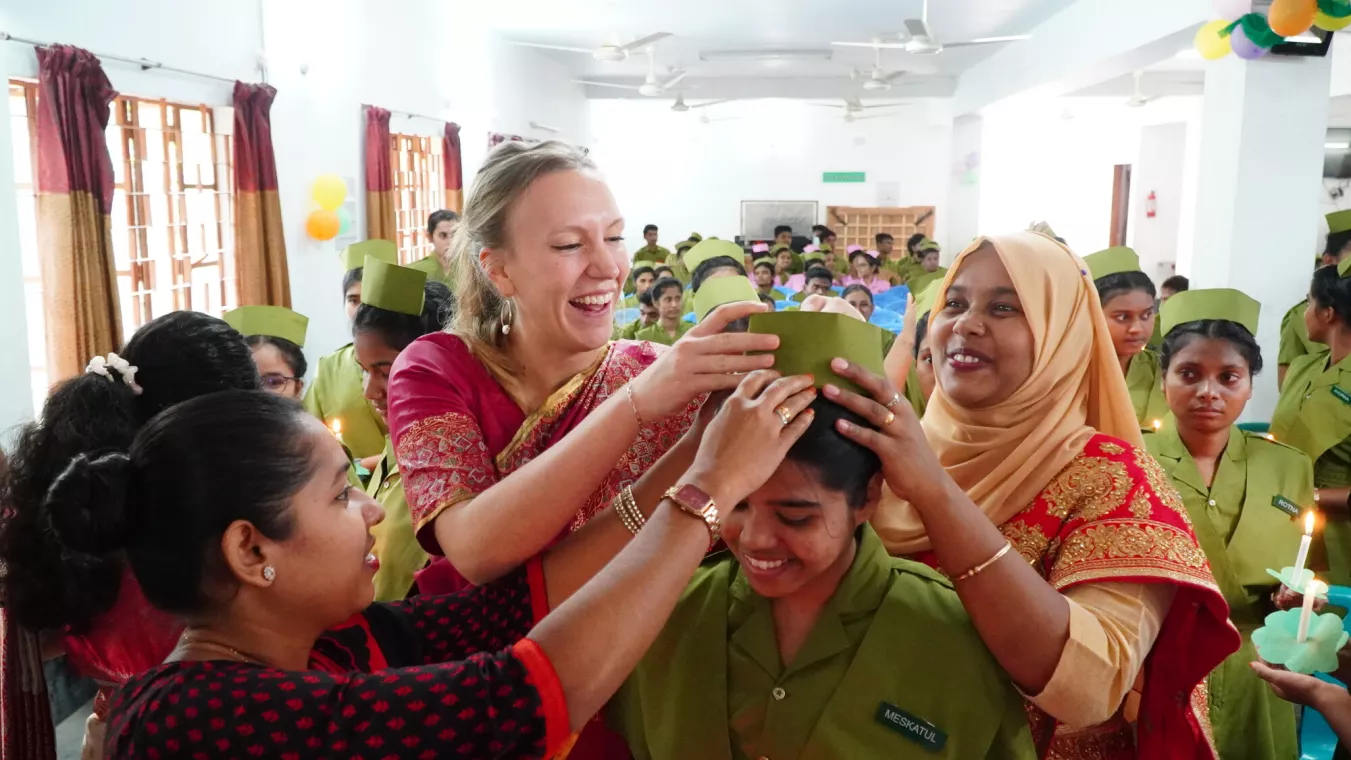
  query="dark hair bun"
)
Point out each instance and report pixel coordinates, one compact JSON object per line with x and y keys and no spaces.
{"x":87,"y":503}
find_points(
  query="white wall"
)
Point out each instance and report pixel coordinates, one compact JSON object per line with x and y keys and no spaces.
{"x":669,"y":169}
{"x":352,"y":51}
{"x":964,"y":175}
{"x":1158,"y":169}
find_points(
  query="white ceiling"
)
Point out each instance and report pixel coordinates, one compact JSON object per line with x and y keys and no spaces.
{"x":710,"y":25}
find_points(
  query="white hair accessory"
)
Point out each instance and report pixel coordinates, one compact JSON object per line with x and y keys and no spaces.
{"x":100,"y":365}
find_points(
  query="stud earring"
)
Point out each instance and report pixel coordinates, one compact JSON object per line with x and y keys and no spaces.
{"x":269,"y":573}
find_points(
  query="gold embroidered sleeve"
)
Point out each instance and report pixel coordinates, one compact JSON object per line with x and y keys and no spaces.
{"x":444,"y":461}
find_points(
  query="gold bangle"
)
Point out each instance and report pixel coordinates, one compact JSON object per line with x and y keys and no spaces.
{"x":628,"y":391}
{"x":629,"y":514}
{"x":973,"y":572}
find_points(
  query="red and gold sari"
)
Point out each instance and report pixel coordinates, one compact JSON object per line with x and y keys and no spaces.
{"x":456,"y":432}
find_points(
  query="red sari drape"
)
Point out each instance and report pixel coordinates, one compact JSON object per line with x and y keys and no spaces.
{"x":260,"y":244}
{"x":453,"y":168}
{"x":74,"y":195}
{"x":380,"y":220}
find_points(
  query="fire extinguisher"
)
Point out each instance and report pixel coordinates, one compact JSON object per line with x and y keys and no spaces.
{"x":1151,"y":205}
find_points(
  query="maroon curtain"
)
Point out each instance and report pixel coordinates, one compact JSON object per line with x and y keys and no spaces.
{"x":497,"y":138}
{"x":380,"y":221}
{"x":453,"y":168}
{"x":263,"y":278}
{"x":74,"y":195}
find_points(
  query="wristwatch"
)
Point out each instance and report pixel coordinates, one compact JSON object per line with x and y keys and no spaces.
{"x":693,"y":500}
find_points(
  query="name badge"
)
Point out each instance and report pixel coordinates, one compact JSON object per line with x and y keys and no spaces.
{"x":922,"y":732}
{"x":1341,"y":395}
{"x":1285,"y":505}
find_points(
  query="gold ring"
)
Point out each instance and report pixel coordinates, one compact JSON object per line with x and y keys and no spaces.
{"x":785,"y":414}
{"x":895,"y":399}
{"x":891,"y":417}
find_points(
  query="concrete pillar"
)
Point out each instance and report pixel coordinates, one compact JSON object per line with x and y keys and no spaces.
{"x":963,"y":206}
{"x":1263,"y":128}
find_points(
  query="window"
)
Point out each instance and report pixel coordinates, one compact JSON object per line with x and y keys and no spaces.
{"x":419,"y":189}
{"x":172,"y":213}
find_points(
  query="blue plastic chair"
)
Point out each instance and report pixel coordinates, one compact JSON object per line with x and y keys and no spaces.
{"x":1316,"y":739}
{"x":1255,"y":427}
{"x":784,"y":304}
{"x":887,"y":320}
{"x":892,"y":298}
{"x":624,"y":317}
{"x":785,"y":293}
{"x":689,"y":317}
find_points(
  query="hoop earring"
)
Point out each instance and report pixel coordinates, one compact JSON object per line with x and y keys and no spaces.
{"x":506,"y":316}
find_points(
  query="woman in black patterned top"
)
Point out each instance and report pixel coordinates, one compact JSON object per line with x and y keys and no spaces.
{"x":234,"y":513}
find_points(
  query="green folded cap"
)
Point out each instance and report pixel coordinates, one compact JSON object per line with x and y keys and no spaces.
{"x":809,"y":340}
{"x":393,"y":288}
{"x":780,"y":247}
{"x":825,"y":248}
{"x":924,"y":302}
{"x":696,"y":237}
{"x":711,"y":249}
{"x":813,"y":256}
{"x":927,"y":245}
{"x":354,"y":255}
{"x":1216,"y":303}
{"x":1112,"y":261}
{"x":276,"y":321}
{"x":720,"y":290}
{"x":1343,"y":268}
{"x":1339,"y":221}
{"x":684,"y":245}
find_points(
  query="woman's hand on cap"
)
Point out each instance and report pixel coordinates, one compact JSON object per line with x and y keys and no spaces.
{"x":911,"y":469}
{"x":704,"y":360}
{"x":751,"y":434}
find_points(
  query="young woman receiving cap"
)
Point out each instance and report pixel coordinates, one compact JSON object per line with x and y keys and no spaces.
{"x":1129,"y":301}
{"x":1029,"y":484}
{"x":398,"y":306}
{"x":1242,"y":491}
{"x":277,"y":336}
{"x":335,"y":396}
{"x":1314,"y":410}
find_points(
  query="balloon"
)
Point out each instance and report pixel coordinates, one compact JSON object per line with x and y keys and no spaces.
{"x":344,"y":221}
{"x":1232,"y":9}
{"x":1291,"y":17}
{"x":1330,"y":23}
{"x":322,"y":224}
{"x":1210,"y":43}
{"x":1245,"y":48}
{"x":329,"y":191}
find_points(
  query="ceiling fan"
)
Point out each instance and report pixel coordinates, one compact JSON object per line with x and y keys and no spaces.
{"x":651,"y":87}
{"x":852,"y":105}
{"x":1138,"y":98}
{"x":879,"y":79}
{"x":679,"y":106}
{"x":919,"y":40}
{"x":611,"y":51}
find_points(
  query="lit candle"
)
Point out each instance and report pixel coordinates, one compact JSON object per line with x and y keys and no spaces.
{"x":1270,"y":437}
{"x":336,"y":426}
{"x":1158,"y":424}
{"x":1311,"y":593}
{"x":1304,"y":542}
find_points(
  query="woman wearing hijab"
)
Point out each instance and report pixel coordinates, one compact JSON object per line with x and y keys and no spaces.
{"x":1030,"y":447}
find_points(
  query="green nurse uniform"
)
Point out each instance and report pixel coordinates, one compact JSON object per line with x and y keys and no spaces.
{"x":431,"y":266}
{"x":919,"y":282}
{"x":893,"y":668}
{"x":1295,"y":340}
{"x":1144,"y":378}
{"x":1244,"y":522}
{"x":337,"y":394}
{"x":396,"y":547}
{"x":657,"y":334}
{"x":1314,"y":415}
{"x":924,"y":303}
{"x":652,"y":253}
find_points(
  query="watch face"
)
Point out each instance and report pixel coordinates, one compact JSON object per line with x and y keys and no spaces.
{"x":693,"y":498}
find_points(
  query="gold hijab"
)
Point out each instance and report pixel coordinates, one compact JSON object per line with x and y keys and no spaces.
{"x":1004,"y":455}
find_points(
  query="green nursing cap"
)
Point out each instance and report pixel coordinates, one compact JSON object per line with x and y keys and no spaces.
{"x":720,"y":290}
{"x":712,"y":249}
{"x":924,"y":302}
{"x":1339,"y":221}
{"x":780,"y":247}
{"x":1112,"y":261}
{"x":809,"y":340}
{"x":696,"y":237}
{"x":813,"y":256}
{"x":825,"y":248}
{"x":927,"y":245}
{"x":684,"y":245}
{"x":275,"y":321}
{"x":393,"y":288}
{"x":354,"y":255}
{"x":1218,"y":303}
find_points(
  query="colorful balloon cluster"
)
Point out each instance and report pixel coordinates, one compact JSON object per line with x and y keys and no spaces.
{"x":1252,"y":35}
{"x":330,"y":219}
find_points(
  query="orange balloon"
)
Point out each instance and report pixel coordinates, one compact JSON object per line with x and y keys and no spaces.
{"x":1291,"y":17}
{"x":322,"y":224}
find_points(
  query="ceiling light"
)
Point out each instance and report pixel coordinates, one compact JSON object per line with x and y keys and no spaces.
{"x":753,"y":55}
{"x":1305,"y":38}
{"x":1337,"y":146}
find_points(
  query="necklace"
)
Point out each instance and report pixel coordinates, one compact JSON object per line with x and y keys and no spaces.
{"x":185,"y":639}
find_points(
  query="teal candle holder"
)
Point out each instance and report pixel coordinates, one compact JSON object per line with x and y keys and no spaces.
{"x":1275,"y":642}
{"x":1287,"y":578}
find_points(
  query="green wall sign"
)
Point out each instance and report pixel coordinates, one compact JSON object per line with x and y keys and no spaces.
{"x":834,"y":177}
